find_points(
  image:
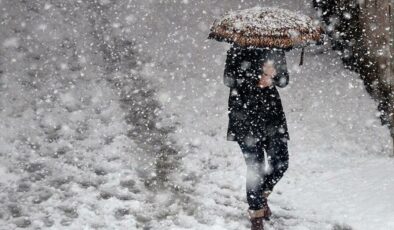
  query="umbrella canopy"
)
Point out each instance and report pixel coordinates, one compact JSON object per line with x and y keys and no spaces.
{"x":267,"y":27}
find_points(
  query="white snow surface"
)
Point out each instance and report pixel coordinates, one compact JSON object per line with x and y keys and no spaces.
{"x":74,"y":153}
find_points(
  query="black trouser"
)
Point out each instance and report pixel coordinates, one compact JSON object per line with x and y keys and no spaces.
{"x":259,"y":179}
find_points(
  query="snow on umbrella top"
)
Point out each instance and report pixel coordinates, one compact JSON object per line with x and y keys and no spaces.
{"x":266,"y":27}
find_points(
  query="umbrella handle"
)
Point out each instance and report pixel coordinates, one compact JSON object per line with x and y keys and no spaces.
{"x":302,"y":56}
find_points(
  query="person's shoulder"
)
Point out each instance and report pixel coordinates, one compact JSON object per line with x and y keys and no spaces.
{"x":237,"y":52}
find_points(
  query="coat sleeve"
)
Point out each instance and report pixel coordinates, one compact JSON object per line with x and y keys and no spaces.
{"x":281,"y":79}
{"x":232,"y":69}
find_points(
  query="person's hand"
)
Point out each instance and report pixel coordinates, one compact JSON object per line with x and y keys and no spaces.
{"x":265,"y":81}
{"x":269,"y":72}
{"x":269,"y":68}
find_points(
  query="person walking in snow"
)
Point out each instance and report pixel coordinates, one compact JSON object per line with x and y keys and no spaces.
{"x":257,"y":121}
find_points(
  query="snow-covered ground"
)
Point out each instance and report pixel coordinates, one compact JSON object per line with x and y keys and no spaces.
{"x":75,"y":152}
{"x":339,"y":174}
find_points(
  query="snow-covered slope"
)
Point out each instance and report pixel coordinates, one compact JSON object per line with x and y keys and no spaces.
{"x":84,"y":143}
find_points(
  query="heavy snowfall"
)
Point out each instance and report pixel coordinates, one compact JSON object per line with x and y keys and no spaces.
{"x":113,"y":115}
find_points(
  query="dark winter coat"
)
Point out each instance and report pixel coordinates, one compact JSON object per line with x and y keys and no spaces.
{"x":254,"y":112}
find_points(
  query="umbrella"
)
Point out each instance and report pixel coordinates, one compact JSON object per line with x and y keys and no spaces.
{"x":267,"y":27}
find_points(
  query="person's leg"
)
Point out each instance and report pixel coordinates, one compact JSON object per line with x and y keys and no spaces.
{"x":277,"y":152}
{"x":254,"y":158}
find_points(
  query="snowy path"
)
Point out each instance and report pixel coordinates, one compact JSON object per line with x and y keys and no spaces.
{"x":339,"y":170}
{"x":339,"y":174}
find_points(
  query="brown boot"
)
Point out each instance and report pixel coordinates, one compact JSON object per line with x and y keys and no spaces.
{"x":256,"y":219}
{"x":267,"y":212}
